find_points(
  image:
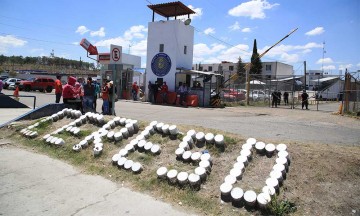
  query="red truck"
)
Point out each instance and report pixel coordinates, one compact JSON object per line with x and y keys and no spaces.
{"x":40,"y":83}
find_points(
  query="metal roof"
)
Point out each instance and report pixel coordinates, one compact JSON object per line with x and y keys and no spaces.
{"x":199,"y":72}
{"x":324,"y":79}
{"x":285,"y":79}
{"x":171,"y":9}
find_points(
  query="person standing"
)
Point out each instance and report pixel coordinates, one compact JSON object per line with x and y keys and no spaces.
{"x":58,"y":89}
{"x":183,"y":91}
{"x":89,"y":94}
{"x":278,"y":97}
{"x":111,"y":96}
{"x":105,"y":97}
{"x":286,"y":98}
{"x":164,"y":91}
{"x":304,"y":100}
{"x":274,"y":99}
{"x":155,"y":88}
{"x":1,"y":85}
{"x":150,"y":92}
{"x":16,"y":92}
{"x":69,"y":93}
{"x":134,"y":91}
{"x":97,"y":92}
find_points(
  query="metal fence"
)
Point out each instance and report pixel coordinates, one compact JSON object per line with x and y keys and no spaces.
{"x":325,"y":93}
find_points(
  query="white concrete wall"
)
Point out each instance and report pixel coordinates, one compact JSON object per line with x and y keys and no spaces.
{"x":174,"y":34}
{"x":133,"y":60}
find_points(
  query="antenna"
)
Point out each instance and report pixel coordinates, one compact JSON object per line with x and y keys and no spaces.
{"x":322,"y":62}
{"x":129,"y":48}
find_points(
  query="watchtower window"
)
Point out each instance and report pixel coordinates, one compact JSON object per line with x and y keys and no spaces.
{"x":161,"y":48}
{"x":185,"y":50}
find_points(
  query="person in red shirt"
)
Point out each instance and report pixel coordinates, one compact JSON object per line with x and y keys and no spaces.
{"x":105,"y":97}
{"x":16,"y":92}
{"x":135,"y":90}
{"x":58,"y":89}
{"x":69,"y":93}
{"x":164,"y":91}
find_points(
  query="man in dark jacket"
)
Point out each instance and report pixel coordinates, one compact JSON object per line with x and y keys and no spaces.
{"x":304,"y":100}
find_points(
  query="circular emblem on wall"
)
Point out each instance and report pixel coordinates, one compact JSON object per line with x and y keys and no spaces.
{"x":161,"y":64}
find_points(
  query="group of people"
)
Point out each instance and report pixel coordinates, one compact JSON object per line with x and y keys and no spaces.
{"x":83,"y":95}
{"x":163,"y":90}
{"x":155,"y":89}
{"x":276,"y":99}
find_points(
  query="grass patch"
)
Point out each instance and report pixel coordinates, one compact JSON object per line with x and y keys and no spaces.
{"x":279,"y":207}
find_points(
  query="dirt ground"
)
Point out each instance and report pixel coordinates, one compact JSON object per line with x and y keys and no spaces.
{"x":323,"y":179}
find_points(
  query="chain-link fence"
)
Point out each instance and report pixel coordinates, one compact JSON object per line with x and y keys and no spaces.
{"x":325,"y":93}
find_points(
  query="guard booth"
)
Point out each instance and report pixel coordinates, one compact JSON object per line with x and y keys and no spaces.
{"x":122,"y":74}
{"x":170,"y":46}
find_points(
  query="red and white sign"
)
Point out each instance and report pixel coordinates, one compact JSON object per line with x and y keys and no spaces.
{"x":89,"y":47}
{"x":104,"y":58}
{"x":115,"y":54}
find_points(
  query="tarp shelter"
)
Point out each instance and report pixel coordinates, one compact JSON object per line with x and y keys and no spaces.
{"x":256,"y":82}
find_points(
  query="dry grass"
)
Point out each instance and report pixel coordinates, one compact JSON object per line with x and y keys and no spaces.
{"x":322,"y":180}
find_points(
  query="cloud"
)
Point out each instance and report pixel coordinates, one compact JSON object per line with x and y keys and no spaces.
{"x":329,"y":67}
{"x":235,"y":26}
{"x":100,"y":33}
{"x":82,"y":30}
{"x":289,"y":58}
{"x":358,"y":64}
{"x":246,"y":30}
{"x":344,"y":67}
{"x":315,"y":31}
{"x":209,"y":31}
{"x":254,"y":9}
{"x":9,"y":41}
{"x":324,"y":61}
{"x":135,"y":32}
{"x":198,"y":13}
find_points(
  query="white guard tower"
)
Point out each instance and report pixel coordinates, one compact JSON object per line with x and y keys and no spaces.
{"x":169,"y":44}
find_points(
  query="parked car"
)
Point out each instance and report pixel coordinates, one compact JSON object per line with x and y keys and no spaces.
{"x":10,"y":81}
{"x":41,"y":83}
{"x":233,"y":95}
{"x":258,"y":95}
{"x":4,"y":77}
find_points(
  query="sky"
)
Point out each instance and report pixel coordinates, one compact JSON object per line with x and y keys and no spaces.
{"x":328,"y":35}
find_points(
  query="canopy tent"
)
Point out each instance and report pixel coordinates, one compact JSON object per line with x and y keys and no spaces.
{"x":285,"y":79}
{"x":256,"y":82}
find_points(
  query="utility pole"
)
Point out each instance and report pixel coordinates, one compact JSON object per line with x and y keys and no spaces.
{"x":305,"y":75}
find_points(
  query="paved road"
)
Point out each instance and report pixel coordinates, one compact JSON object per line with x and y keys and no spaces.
{"x":272,"y":124}
{"x":33,"y":184}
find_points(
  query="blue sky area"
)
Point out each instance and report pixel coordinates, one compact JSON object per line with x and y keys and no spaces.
{"x":224,"y":30}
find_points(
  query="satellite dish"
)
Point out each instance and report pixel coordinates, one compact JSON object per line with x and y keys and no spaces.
{"x":187,"y":22}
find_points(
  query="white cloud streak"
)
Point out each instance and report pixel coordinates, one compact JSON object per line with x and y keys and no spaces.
{"x":254,"y":9}
{"x":10,"y":41}
{"x":234,"y":26}
{"x":82,"y":30}
{"x":325,"y":61}
{"x":315,"y":31}
{"x":99,"y":33}
{"x":209,"y":31}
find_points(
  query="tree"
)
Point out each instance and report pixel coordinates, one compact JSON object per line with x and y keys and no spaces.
{"x":240,"y":71}
{"x":256,"y":66}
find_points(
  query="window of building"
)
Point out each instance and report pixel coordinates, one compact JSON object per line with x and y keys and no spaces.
{"x":185,"y":50}
{"x":161,"y":48}
{"x":231,"y":68}
{"x":210,"y":68}
{"x":268,"y":67}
